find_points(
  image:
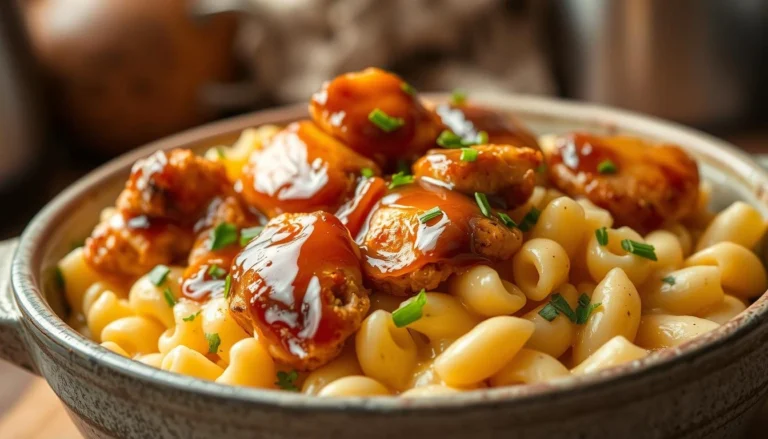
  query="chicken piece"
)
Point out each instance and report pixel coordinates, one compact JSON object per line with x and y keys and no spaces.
{"x":205,"y":275}
{"x":299,"y":286}
{"x":302,"y":169}
{"x":175,"y":185}
{"x":468,"y":120}
{"x":404,"y":253}
{"x":356,"y":209}
{"x":506,"y":171}
{"x":346,"y":108}
{"x":643,"y":185}
{"x":130,"y":247}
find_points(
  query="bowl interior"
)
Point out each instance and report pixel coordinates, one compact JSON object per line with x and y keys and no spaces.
{"x":71,"y":217}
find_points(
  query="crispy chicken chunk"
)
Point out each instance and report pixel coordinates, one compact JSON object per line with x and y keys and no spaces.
{"x":299,"y":286}
{"x":641,"y":184}
{"x":376,"y":114}
{"x":302,"y":169}
{"x":506,"y":171}
{"x":404,"y":251}
{"x":129,"y":248}
{"x":176,"y":185}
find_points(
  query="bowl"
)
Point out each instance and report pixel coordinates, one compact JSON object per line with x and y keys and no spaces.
{"x":709,"y":387}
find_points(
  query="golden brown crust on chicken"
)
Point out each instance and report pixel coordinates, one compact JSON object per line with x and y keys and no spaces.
{"x":175,"y":185}
{"x":343,"y":106}
{"x":651,"y":184}
{"x":129,"y":248}
{"x":403,"y":254}
{"x":300,"y":287}
{"x":504,"y":170}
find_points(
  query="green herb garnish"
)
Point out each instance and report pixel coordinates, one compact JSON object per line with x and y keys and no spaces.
{"x":482,"y":202}
{"x":223,"y":235}
{"x":607,"y":167}
{"x":400,"y":179}
{"x":542,"y":168}
{"x":468,"y":155}
{"x":158,"y":274}
{"x":366,"y":172}
{"x":227,"y":285}
{"x":558,"y":305}
{"x":191,"y":317}
{"x":530,"y":219}
{"x":213,"y":342}
{"x":220,"y":152}
{"x":384,"y":121}
{"x":411,"y":312}
{"x":509,"y":222}
{"x":458,"y":96}
{"x":669,"y":280}
{"x":430,"y":214}
{"x":168,"y":296}
{"x":548,"y":312}
{"x":408,"y":88}
{"x":602,"y":236}
{"x":641,"y":249}
{"x":584,"y":309}
{"x":287,"y":380}
{"x":482,"y":138}
{"x":216,"y":272}
{"x":450,"y":140}
{"x":246,"y":235}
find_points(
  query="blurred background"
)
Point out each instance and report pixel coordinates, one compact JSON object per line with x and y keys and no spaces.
{"x":82,"y":81}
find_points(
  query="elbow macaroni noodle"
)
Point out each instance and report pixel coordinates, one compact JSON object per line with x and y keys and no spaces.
{"x":484,"y":327}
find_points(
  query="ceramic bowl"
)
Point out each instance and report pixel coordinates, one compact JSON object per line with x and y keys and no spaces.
{"x":709,"y":387}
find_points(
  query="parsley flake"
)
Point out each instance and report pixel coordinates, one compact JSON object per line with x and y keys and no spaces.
{"x":213,"y":342}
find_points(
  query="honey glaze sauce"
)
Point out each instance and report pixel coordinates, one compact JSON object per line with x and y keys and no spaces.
{"x":292,"y":278}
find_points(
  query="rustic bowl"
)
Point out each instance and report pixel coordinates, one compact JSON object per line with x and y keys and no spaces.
{"x":709,"y":387}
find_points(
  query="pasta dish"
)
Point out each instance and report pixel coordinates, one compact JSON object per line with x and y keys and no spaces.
{"x":393,"y":246}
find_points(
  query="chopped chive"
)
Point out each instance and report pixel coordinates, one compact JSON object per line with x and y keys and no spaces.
{"x":548,"y":312}
{"x":408,"y":88}
{"x":168,"y":296}
{"x":158,"y":274}
{"x":223,"y":235}
{"x":191,"y":317}
{"x":220,"y":152}
{"x":384,"y":121}
{"x":530,"y":219}
{"x":227,"y":285}
{"x":247,"y":234}
{"x":411,"y":312}
{"x":458,"y":96}
{"x":482,"y":138}
{"x":607,"y":167}
{"x":366,"y":172}
{"x":509,"y":222}
{"x":482,"y":202}
{"x":216,"y":272}
{"x":641,"y":249}
{"x":602,"y":236}
{"x":584,"y":310}
{"x":562,"y":306}
{"x":400,"y":179}
{"x":669,"y":280}
{"x":287,"y":380}
{"x":468,"y":155}
{"x":213,"y":342}
{"x":450,"y":140}
{"x":59,"y":278}
{"x":430,"y":214}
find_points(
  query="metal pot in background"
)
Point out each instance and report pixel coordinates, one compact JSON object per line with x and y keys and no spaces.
{"x":694,"y":61}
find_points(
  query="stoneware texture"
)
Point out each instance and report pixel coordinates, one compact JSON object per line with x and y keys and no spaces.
{"x":709,"y":388}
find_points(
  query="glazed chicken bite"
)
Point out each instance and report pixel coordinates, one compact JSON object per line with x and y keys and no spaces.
{"x":376,"y":114}
{"x":420,"y":234}
{"x":467,"y":121}
{"x":643,"y":185}
{"x":175,"y":185}
{"x":130,"y":247}
{"x":504,"y":170}
{"x":299,"y":286}
{"x":301,"y":169}
{"x":219,"y":235}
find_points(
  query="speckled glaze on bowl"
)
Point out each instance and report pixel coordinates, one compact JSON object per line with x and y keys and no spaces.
{"x":708,"y":388}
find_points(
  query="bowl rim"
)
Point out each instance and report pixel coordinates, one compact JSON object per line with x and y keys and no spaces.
{"x":27,"y":285}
